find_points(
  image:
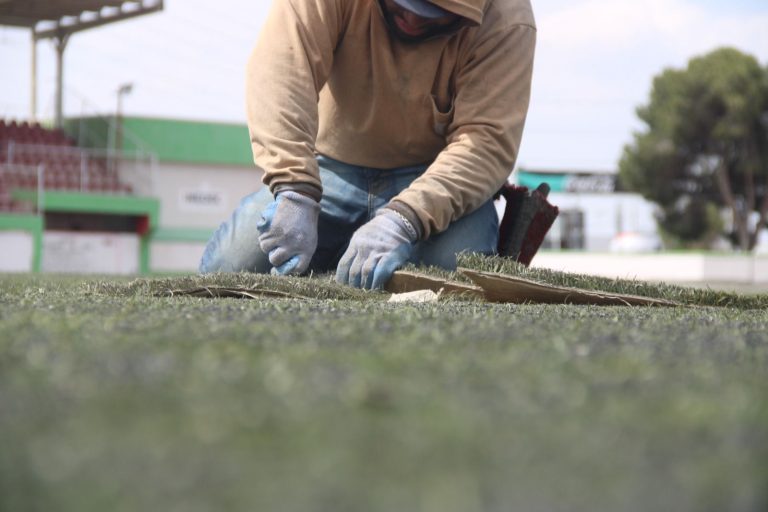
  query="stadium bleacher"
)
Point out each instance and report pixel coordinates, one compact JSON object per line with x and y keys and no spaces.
{"x":29,"y":152}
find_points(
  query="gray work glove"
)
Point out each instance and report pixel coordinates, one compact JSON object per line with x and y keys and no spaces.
{"x":288,"y":232}
{"x":376,"y":250}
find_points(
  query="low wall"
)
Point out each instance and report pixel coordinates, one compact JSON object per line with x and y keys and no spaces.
{"x":173,"y":250}
{"x":90,"y":253}
{"x":20,"y":242}
{"x":18,"y":250}
{"x":669,"y":267}
{"x":175,"y":256}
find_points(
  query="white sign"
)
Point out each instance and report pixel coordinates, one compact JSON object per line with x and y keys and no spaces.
{"x":591,"y":183}
{"x":202,"y":199}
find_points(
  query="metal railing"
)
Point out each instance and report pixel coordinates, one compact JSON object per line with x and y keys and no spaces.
{"x":95,"y":170}
{"x":22,"y":177}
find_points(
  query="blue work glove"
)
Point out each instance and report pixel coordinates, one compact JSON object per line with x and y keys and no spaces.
{"x":376,"y":250}
{"x":288,"y":232}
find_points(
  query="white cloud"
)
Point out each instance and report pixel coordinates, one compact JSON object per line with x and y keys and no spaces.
{"x":595,"y":62}
{"x":678,"y":26}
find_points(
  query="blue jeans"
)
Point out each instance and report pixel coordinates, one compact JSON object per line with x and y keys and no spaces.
{"x":351,"y":197}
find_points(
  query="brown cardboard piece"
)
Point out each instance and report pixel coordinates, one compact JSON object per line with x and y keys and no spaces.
{"x":506,"y":288}
{"x":495,"y":287}
{"x":492,"y":287}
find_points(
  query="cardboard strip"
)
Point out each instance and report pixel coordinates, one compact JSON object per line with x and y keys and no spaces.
{"x":506,"y":288}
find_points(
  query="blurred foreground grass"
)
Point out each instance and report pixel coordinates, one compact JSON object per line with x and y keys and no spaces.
{"x":113,"y":399}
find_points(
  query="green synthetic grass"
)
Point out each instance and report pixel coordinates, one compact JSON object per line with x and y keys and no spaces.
{"x":112,"y":398}
{"x":690,"y":296}
{"x":314,"y":287}
{"x":324,"y":286}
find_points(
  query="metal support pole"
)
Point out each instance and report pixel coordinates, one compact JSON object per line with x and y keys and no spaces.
{"x":33,"y":91}
{"x":152,"y":185}
{"x":118,"y":141}
{"x":83,"y":172}
{"x":118,"y":131}
{"x":40,"y":189}
{"x":61,"y":43}
{"x":110,"y":142}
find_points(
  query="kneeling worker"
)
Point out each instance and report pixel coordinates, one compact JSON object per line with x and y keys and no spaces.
{"x":383,"y":127}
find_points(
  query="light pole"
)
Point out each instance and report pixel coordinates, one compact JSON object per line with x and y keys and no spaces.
{"x":121,"y":91}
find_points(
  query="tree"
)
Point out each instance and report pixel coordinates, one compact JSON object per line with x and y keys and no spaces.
{"x":705,"y":149}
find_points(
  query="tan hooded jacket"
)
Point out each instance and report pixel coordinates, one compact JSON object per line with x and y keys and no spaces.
{"x":327,"y":77}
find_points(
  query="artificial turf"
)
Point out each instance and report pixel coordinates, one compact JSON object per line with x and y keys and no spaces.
{"x":684,"y":295}
{"x":114,"y":398}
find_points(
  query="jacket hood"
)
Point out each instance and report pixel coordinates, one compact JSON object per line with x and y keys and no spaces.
{"x":472,"y":10}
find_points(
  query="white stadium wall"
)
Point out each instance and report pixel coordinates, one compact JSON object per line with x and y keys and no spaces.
{"x":175,"y":256}
{"x":201,"y":196}
{"x":71,"y":252}
{"x":17,"y":251}
{"x":195,"y":200}
{"x":668,"y":267}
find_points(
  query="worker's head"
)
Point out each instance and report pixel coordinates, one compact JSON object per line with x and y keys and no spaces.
{"x":416,"y":20}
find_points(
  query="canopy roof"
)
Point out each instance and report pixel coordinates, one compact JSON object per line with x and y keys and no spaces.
{"x":64,"y":17}
{"x":58,"y":20}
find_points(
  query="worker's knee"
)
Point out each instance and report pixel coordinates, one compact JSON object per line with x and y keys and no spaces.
{"x":477,"y":232}
{"x":234,"y":247}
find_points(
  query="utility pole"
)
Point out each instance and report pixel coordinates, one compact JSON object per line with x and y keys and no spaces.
{"x":33,"y":91}
{"x":64,"y":24}
{"x":60,"y":41}
{"x":121,"y":91}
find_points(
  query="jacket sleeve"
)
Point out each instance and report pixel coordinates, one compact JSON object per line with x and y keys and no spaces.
{"x":286,"y":70}
{"x":493,"y":88}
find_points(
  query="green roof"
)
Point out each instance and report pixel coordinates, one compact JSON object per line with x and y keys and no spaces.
{"x":171,"y":140}
{"x":557,"y":182}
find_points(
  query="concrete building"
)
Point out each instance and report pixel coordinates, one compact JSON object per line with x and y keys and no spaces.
{"x":171,"y":183}
{"x":594,"y":212}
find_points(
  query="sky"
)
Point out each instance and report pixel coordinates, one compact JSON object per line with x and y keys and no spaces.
{"x":595,"y":62}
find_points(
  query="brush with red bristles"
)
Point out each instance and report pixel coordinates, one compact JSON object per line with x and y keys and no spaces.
{"x":526,"y":221}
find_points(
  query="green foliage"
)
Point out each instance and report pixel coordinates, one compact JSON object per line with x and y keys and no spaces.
{"x":695,"y":224}
{"x":705,"y":148}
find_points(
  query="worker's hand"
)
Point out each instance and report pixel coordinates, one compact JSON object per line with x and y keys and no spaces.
{"x":376,"y":250}
{"x":288,"y":232}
